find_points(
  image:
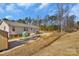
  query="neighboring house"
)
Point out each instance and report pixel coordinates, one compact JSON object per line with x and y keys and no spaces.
{"x":0,"y":22}
{"x":17,"y":28}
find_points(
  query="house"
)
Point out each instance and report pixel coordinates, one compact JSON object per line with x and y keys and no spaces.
{"x":16,"y":28}
{"x":0,"y":22}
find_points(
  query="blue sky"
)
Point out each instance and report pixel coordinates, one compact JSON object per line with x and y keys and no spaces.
{"x":22,"y":10}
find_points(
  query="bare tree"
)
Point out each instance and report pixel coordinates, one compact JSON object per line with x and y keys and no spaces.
{"x":60,"y":15}
{"x":63,"y":16}
{"x":70,"y":23}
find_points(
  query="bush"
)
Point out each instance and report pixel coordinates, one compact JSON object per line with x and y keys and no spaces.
{"x":49,"y":27}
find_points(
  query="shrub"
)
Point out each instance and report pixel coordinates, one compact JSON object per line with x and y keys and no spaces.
{"x":48,"y":28}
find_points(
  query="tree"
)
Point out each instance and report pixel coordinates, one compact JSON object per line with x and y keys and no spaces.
{"x":37,"y":21}
{"x":5,"y":19}
{"x":20,"y":21}
{"x":60,"y":15}
{"x":77,"y":25}
{"x":63,"y":15}
{"x":26,"y":19}
{"x":53,"y":19}
{"x":70,"y":23}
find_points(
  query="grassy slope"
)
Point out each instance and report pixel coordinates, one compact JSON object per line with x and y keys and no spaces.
{"x":29,"y":49}
{"x":67,"y":45}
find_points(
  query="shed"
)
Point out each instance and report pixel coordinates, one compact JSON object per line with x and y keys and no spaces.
{"x":3,"y":40}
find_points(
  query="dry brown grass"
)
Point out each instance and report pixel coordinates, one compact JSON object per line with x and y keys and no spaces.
{"x":29,"y":49}
{"x":67,"y":45}
{"x":51,"y":44}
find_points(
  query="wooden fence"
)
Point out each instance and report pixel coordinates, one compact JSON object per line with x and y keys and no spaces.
{"x":3,"y":40}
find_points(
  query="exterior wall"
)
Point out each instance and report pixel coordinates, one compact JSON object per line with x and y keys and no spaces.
{"x":21,"y":29}
{"x":3,"y":40}
{"x":17,"y":30}
{"x":32,"y":30}
{"x":4,"y":24}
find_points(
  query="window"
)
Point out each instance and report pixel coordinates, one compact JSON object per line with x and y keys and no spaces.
{"x":13,"y":29}
{"x":24,"y":29}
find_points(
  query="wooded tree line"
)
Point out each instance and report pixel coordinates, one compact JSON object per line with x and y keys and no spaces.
{"x":60,"y":21}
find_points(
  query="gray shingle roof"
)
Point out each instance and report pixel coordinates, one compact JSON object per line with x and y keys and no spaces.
{"x":17,"y":24}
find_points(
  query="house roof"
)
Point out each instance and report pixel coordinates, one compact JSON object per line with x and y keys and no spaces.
{"x":0,"y":22}
{"x":17,"y":24}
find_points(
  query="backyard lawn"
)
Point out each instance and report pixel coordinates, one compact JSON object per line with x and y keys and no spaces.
{"x":31,"y":48}
{"x":66,"y":45}
{"x":49,"y":44}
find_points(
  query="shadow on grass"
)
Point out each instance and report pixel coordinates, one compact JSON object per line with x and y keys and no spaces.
{"x":14,"y":44}
{"x":50,"y":43}
{"x":54,"y":40}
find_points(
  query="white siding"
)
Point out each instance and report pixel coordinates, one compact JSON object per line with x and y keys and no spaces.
{"x":17,"y":30}
{"x":4,"y":25}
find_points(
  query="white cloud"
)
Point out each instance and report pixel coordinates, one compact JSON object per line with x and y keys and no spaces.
{"x":42,"y":6}
{"x":1,"y":10}
{"x":23,"y":4}
{"x":75,"y":10}
{"x":52,"y":12}
{"x":11,"y":8}
{"x":26,"y":5}
{"x":9,"y":17}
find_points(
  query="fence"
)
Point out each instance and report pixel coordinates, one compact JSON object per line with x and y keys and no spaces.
{"x":3,"y":40}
